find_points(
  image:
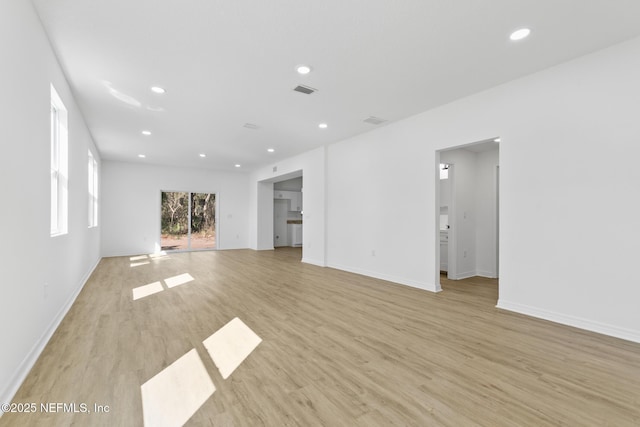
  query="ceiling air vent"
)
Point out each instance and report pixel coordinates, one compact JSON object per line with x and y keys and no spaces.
{"x":251,"y":126}
{"x":305,"y":89}
{"x":374,"y":120}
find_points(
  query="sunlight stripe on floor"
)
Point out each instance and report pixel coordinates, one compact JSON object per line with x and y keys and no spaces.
{"x":146,"y":290}
{"x":181,"y":279}
{"x":230,"y":345}
{"x":171,"y":397}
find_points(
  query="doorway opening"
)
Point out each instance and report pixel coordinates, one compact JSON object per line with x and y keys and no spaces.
{"x":187,"y":221}
{"x":287,"y":213}
{"x":467,"y":207}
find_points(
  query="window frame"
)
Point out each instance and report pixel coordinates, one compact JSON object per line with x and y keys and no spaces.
{"x":58,"y":166}
{"x":93,"y":190}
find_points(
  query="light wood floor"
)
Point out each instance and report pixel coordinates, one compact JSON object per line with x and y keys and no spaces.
{"x":338,"y":349}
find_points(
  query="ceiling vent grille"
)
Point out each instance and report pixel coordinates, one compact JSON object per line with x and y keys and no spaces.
{"x":251,"y":126}
{"x":305,"y":89}
{"x":374,"y":120}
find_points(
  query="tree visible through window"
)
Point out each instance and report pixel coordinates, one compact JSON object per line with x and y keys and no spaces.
{"x":188,"y":221}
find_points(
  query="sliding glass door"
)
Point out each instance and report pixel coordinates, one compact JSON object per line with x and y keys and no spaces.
{"x":203,"y":221}
{"x":188,"y":221}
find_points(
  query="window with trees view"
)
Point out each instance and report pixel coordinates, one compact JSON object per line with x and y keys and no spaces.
{"x":59,"y":165}
{"x":188,"y":221}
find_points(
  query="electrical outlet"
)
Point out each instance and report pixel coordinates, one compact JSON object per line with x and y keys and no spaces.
{"x":465,"y":254}
{"x":373,"y":252}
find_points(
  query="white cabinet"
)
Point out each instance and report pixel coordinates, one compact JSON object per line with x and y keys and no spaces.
{"x":280,"y":194}
{"x":296,"y":201}
{"x":294,"y":197}
{"x":296,"y":235}
{"x":444,"y":251}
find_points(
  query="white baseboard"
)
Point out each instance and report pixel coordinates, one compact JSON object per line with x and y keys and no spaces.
{"x":577,"y":322}
{"x":431,"y":287}
{"x":9,"y":391}
{"x":313,"y":262}
{"x":464,"y":275}
{"x":487,"y":274}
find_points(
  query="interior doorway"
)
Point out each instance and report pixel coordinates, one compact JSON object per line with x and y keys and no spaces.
{"x":446,"y":233}
{"x":288,"y":212}
{"x":187,"y":221}
{"x":468,"y":211}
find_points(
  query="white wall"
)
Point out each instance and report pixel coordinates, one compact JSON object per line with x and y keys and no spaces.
{"x":378,"y":212}
{"x":312,"y":165}
{"x":561,"y":131}
{"x":131,"y":205}
{"x":29,"y":257}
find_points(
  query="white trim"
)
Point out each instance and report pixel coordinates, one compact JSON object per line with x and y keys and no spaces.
{"x":487,"y":274}
{"x":401,"y":281}
{"x":464,"y":275}
{"x":313,"y":262}
{"x":18,"y":378}
{"x":577,"y":322}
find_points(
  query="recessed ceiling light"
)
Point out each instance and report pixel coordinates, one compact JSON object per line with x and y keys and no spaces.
{"x":322,"y":125}
{"x":146,"y":132}
{"x":303,"y":69}
{"x":203,"y":155}
{"x":271,"y":150}
{"x":142,"y":156}
{"x":237,"y":165}
{"x":520,"y":34}
{"x":157,"y":89}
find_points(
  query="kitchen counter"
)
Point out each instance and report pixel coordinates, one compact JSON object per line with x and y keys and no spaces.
{"x":294,"y":221}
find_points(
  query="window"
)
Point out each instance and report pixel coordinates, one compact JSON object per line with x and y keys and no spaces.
{"x":59,"y":165}
{"x":93,"y":191}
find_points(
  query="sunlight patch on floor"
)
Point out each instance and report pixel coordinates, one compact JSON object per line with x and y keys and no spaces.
{"x":159,"y":256}
{"x":138,"y":264}
{"x":155,"y":287}
{"x":146,"y":290}
{"x":138,"y":260}
{"x":230,"y":345}
{"x":171,"y":397}
{"x":181,"y":279}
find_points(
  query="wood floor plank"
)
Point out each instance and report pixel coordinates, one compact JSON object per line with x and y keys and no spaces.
{"x":337,"y":349}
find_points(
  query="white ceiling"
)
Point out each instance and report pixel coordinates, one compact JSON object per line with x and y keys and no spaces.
{"x":227,"y":63}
